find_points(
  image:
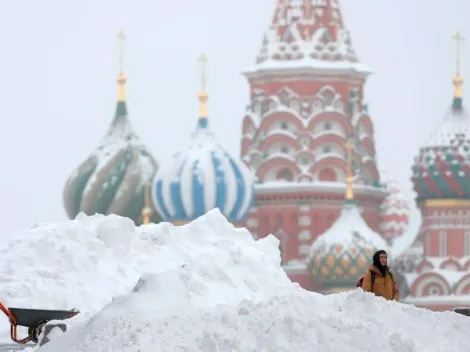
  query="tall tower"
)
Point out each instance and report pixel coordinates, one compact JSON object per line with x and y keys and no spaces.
{"x":306,"y":101}
{"x":441,"y":179}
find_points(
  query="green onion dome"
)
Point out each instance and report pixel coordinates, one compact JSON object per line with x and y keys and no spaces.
{"x":113,"y":179}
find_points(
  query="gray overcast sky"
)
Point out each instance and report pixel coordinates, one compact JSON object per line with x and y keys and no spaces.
{"x":59,"y":64}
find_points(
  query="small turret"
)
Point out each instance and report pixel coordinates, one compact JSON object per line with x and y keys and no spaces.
{"x":342,"y":253}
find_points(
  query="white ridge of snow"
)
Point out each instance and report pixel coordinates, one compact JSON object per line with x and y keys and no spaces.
{"x":205,"y":286}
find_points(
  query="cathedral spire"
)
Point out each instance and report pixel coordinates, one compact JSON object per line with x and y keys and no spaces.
{"x":120,"y":126}
{"x":309,"y":31}
{"x":121,"y":78}
{"x":458,"y":80}
{"x":203,"y":96}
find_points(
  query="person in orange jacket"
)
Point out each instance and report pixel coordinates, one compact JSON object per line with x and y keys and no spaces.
{"x":379,"y":280}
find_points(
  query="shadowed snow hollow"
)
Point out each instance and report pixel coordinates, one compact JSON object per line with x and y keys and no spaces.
{"x":204,"y":287}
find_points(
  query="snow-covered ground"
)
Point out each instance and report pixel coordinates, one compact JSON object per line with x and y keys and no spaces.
{"x":205,"y":287}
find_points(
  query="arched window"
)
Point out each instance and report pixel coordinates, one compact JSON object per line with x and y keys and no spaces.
{"x":285,"y":175}
{"x":327,"y":174}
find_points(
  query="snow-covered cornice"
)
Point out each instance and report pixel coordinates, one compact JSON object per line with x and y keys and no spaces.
{"x":307,"y":67}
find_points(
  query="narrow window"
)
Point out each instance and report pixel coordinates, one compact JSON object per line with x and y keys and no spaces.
{"x":442,"y":243}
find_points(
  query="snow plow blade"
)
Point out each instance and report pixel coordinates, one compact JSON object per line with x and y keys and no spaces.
{"x":34,"y":320}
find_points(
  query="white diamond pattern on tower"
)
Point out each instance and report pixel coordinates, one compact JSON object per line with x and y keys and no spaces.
{"x":307,"y":30}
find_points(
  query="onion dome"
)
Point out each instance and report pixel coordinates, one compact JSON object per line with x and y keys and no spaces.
{"x":112,"y":180}
{"x":203,"y":177}
{"x":339,"y":256}
{"x":395,"y":209}
{"x":442,"y":168}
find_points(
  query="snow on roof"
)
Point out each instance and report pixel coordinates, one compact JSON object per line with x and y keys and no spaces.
{"x":205,"y":286}
{"x":295,"y":266}
{"x":311,"y":36}
{"x":343,"y":229}
{"x":455,"y":125}
{"x":452,"y":277}
{"x":117,"y":141}
{"x":307,"y":65}
{"x":437,"y":261}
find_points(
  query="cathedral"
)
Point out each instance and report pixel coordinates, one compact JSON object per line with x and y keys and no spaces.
{"x":307,"y":172}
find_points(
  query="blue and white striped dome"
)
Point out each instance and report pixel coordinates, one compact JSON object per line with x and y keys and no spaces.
{"x":201,"y":178}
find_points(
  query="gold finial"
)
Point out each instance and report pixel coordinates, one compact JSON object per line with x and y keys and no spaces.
{"x":458,"y":81}
{"x":121,"y":78}
{"x":203,"y":97}
{"x":147,"y":210}
{"x":349,"y":174}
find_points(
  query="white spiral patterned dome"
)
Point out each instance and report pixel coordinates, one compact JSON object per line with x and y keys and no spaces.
{"x":203,"y":177}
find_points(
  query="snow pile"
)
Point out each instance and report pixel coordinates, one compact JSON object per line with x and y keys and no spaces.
{"x":205,"y":287}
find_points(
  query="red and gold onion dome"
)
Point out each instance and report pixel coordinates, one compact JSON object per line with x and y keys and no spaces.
{"x":442,"y":168}
{"x":395,"y":209}
{"x":339,"y":256}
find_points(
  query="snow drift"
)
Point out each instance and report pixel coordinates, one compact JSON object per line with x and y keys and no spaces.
{"x":206,"y":286}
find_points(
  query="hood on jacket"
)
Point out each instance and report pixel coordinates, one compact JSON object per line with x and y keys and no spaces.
{"x":376,"y":262}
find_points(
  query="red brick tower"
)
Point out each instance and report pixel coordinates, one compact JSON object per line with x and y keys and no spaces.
{"x":306,"y":102}
{"x":441,"y":179}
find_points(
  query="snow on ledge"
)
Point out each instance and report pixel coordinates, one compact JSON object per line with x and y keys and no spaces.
{"x":307,"y":65}
{"x":438,"y":300}
{"x":288,"y":187}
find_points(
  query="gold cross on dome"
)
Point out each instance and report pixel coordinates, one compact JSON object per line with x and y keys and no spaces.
{"x":122,"y":39}
{"x":203,"y":60}
{"x":458,"y":38}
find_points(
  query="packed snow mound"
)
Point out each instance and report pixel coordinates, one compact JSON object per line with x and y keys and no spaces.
{"x":206,"y":286}
{"x":170,"y":312}
{"x":84,"y":263}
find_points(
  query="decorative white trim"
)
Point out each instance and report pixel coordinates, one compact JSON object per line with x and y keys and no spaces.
{"x":431,"y":279}
{"x":336,"y":187}
{"x":461,"y":284}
